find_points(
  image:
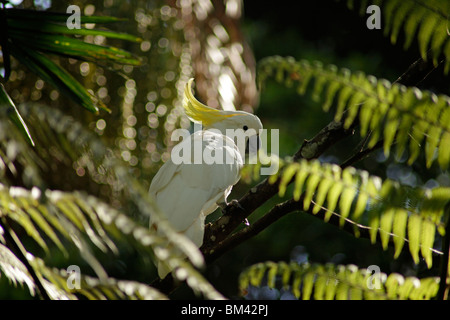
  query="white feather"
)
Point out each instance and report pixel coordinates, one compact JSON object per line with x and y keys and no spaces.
{"x":187,"y":193}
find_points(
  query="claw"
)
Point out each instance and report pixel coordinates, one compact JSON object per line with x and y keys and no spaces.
{"x":236,"y":204}
{"x":233,"y":203}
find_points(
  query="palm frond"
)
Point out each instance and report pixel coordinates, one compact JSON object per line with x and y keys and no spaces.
{"x":30,"y":36}
{"x":337,"y":282}
{"x":390,"y":112}
{"x":13,"y":113}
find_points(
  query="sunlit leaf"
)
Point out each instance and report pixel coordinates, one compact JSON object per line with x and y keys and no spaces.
{"x":341,"y":282}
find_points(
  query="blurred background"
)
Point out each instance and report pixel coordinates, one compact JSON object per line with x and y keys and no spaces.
{"x":219,"y":43}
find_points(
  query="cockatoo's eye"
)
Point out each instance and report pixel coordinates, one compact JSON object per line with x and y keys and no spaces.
{"x":245,"y":128}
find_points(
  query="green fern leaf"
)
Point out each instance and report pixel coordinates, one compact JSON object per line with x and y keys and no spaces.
{"x":407,"y":116}
{"x":388,"y":209}
{"x":399,"y":230}
{"x":57,"y":281}
{"x":339,"y":282}
{"x":14,"y":269}
{"x":85,"y":221}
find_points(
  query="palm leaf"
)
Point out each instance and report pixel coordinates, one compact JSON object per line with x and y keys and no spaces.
{"x":14,"y":114}
{"x":56,"y":17}
{"x":45,"y":31}
{"x":30,"y":35}
{"x":94,"y":288}
{"x":59,"y":77}
{"x":74,"y":48}
{"x":30,"y":24}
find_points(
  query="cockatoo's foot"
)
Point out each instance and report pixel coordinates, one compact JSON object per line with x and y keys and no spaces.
{"x":225,"y":207}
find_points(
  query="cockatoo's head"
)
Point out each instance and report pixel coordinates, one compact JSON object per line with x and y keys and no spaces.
{"x":222,"y":120}
{"x":218,"y":119}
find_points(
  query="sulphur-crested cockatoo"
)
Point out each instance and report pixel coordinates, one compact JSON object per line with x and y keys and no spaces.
{"x":187,"y":191}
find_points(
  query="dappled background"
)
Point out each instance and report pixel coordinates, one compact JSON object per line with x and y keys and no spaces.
{"x":219,"y":43}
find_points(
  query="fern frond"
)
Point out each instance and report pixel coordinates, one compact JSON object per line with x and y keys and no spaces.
{"x":405,"y":115}
{"x":389,"y":209}
{"x":57,"y":216}
{"x":68,"y":140}
{"x":63,"y":216}
{"x":55,"y":281}
{"x":94,"y":288}
{"x":427,"y":21}
{"x":14,"y":269}
{"x":72,"y":140}
{"x":72,"y":215}
{"x":337,"y":282}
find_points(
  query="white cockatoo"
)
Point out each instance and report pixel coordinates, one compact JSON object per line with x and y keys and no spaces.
{"x":187,"y":192}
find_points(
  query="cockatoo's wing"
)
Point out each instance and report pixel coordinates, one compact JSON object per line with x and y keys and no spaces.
{"x":186,"y":191}
{"x":163,"y":177}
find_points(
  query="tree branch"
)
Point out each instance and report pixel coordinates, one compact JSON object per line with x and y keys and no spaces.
{"x":361,"y":154}
{"x":235,"y":239}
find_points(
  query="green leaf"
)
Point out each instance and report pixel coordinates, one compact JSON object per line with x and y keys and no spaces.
{"x":31,"y":34}
{"x":427,"y":237}
{"x":66,"y":46}
{"x":406,"y":117}
{"x":340,"y":282}
{"x":26,"y":14}
{"x":384,"y":208}
{"x":14,"y":114}
{"x":54,"y":28}
{"x":414,"y":229}
{"x":14,"y":269}
{"x":58,"y":77}
{"x":399,"y":230}
{"x":385,"y":225}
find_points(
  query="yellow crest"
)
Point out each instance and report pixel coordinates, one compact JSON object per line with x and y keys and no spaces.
{"x":200,"y":113}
